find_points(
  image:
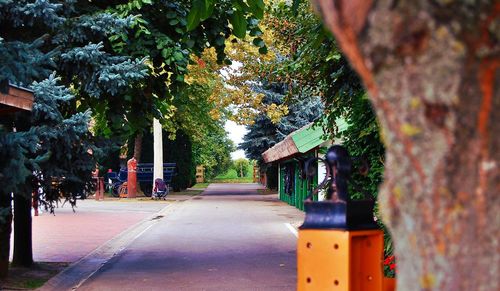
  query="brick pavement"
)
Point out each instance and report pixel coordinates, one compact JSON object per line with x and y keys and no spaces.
{"x":68,"y":236}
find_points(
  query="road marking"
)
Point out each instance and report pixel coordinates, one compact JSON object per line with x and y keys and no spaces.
{"x":142,"y":232}
{"x":154,"y":219}
{"x":292,"y":229}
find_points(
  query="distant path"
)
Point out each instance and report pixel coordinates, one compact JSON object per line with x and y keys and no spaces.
{"x":229,"y":238}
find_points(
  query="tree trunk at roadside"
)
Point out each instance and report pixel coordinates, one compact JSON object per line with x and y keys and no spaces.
{"x":138,"y":147}
{"x":432,"y":72}
{"x":5,"y":230}
{"x":23,"y":251}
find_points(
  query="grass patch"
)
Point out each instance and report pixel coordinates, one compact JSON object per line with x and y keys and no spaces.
{"x":231,"y":176}
{"x":31,"y":278}
{"x":200,"y":185}
{"x":235,"y":180}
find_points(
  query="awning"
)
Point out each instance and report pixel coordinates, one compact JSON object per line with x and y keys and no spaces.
{"x":299,"y":141}
{"x":17,"y":98}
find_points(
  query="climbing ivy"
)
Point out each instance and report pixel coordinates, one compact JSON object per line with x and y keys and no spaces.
{"x":315,"y":64}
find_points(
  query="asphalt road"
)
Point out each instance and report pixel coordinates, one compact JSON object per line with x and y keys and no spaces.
{"x":229,"y":238}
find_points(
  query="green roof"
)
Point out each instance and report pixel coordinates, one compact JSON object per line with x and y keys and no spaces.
{"x":308,"y":137}
{"x":300,"y":141}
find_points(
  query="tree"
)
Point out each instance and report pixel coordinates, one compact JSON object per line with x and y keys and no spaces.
{"x":169,"y":33}
{"x":60,"y":162}
{"x":14,"y":173}
{"x":431,"y":70}
{"x":241,"y":167}
{"x":214,"y":153}
{"x":232,"y":83}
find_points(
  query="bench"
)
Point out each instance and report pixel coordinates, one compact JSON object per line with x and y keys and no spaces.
{"x":144,"y":177}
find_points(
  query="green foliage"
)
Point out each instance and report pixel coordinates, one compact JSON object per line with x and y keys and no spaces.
{"x":210,"y":144}
{"x":64,"y":143}
{"x":200,"y":185}
{"x":241,"y":167}
{"x":239,"y":24}
{"x":168,"y":33}
{"x":316,"y":66}
{"x":200,"y":11}
{"x":15,"y":164}
{"x":232,"y":176}
{"x":54,"y":142}
{"x":101,"y":73}
{"x":213,"y":152}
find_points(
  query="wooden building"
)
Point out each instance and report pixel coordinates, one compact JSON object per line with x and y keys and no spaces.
{"x":291,"y":154}
{"x":16,"y":99}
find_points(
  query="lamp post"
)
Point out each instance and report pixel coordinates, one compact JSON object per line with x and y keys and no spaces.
{"x":157,"y":151}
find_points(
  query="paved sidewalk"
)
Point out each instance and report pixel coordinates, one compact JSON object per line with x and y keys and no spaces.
{"x":68,"y":236}
{"x":229,"y":238}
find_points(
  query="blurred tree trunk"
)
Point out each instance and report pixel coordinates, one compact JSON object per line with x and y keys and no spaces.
{"x":5,"y":230}
{"x":138,"y":147}
{"x":23,"y":251}
{"x":432,"y":71}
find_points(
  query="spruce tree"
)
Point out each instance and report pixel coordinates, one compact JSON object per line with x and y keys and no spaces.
{"x":264,"y":134}
{"x":51,"y":149}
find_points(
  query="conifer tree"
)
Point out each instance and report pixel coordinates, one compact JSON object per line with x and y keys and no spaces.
{"x":51,"y":149}
{"x":264,"y":133}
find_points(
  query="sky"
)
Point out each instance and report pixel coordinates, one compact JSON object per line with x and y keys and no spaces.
{"x":236,"y":133}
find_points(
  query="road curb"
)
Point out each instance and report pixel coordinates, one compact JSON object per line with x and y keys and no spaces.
{"x":78,"y":272}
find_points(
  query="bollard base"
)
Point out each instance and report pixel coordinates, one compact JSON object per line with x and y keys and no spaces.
{"x":339,"y":260}
{"x":354,"y":215}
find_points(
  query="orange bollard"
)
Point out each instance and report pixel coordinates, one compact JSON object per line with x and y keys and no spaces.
{"x":340,"y":260}
{"x":340,"y":246}
{"x":132,"y":178}
{"x":97,"y":194}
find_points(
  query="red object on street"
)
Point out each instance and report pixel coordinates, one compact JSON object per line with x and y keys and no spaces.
{"x":99,"y":191}
{"x":132,"y":178}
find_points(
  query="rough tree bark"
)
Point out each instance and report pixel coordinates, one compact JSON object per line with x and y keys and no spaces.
{"x":432,"y":71}
{"x":23,"y":251}
{"x":5,"y":230}
{"x":138,"y":147}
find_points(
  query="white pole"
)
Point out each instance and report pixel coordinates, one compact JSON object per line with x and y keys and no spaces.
{"x":157,"y":150}
{"x":321,"y":177}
